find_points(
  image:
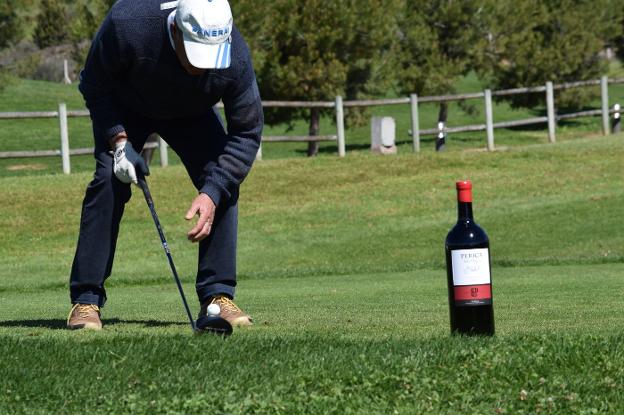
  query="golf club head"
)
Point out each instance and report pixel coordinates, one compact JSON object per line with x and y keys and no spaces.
{"x":213,"y":324}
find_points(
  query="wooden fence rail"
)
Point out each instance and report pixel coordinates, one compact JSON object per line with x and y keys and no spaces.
{"x":338,"y":105}
{"x":55,"y":153}
{"x":518,"y":91}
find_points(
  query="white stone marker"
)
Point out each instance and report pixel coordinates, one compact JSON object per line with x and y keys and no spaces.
{"x":383,"y":135}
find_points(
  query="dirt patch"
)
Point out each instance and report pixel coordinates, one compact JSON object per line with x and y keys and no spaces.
{"x":20,"y":167}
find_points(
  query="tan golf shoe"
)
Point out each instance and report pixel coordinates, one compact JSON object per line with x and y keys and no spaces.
{"x":229,"y":311}
{"x":84,"y":316}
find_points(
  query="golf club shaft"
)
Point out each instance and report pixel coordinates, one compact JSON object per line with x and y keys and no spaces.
{"x":150,"y":204}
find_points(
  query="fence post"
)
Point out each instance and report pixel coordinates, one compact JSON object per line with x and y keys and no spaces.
{"x":604,"y":94}
{"x":617,"y":119}
{"x":162,"y":150}
{"x":550,"y":109}
{"x":340,"y":126}
{"x":62,"y":114}
{"x":259,"y":153}
{"x":489,"y":120}
{"x":415,"y":123}
{"x":66,"y":78}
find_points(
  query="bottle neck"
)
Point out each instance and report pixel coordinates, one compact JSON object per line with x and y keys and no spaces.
{"x":464,"y":212}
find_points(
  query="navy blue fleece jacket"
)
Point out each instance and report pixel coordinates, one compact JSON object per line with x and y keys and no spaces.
{"x":132,"y":65}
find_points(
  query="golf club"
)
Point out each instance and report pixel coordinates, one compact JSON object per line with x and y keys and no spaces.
{"x":212,"y":324}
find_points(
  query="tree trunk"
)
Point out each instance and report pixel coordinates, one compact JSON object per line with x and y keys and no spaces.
{"x":148,"y":153}
{"x":315,"y":120}
{"x":442,"y":117}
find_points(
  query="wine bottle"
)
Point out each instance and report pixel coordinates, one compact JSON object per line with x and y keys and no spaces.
{"x":468,"y":271}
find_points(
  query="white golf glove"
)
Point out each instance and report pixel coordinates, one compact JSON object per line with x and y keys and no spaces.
{"x":126,"y":162}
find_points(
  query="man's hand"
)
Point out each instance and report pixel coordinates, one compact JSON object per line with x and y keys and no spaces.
{"x":127,"y":161}
{"x":205,"y":208}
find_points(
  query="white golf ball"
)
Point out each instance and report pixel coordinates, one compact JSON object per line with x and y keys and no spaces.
{"x":214,"y":310}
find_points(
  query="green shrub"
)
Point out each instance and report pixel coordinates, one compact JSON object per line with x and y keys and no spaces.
{"x":51,"y":24}
{"x":11,"y":23}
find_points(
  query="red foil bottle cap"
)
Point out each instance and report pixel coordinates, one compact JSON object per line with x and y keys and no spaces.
{"x":464,"y":191}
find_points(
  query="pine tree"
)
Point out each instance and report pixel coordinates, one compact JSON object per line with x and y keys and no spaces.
{"x":531,"y":42}
{"x":51,"y":24}
{"x":437,"y":44}
{"x":314,"y":50}
{"x":618,"y":39}
{"x":86,"y":18}
{"x":11,"y":22}
{"x":437,"y":47}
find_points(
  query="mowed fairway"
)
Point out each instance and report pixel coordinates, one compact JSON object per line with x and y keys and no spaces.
{"x":341,"y":265}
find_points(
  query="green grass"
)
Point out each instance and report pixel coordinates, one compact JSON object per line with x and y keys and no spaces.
{"x":329,"y":345}
{"x":38,"y":134}
{"x":341,"y":265}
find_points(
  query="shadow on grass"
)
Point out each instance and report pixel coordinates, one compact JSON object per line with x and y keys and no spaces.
{"x":57,"y":324}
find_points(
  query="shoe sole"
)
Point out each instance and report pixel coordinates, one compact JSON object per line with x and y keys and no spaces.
{"x":87,"y":326}
{"x":241,"y":322}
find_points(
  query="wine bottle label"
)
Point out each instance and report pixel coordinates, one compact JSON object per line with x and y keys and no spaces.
{"x":471,"y":276}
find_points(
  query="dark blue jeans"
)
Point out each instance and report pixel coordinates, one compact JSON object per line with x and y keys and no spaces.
{"x":198,"y":142}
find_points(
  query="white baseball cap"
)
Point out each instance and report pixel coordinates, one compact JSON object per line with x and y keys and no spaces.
{"x":206,"y":26}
